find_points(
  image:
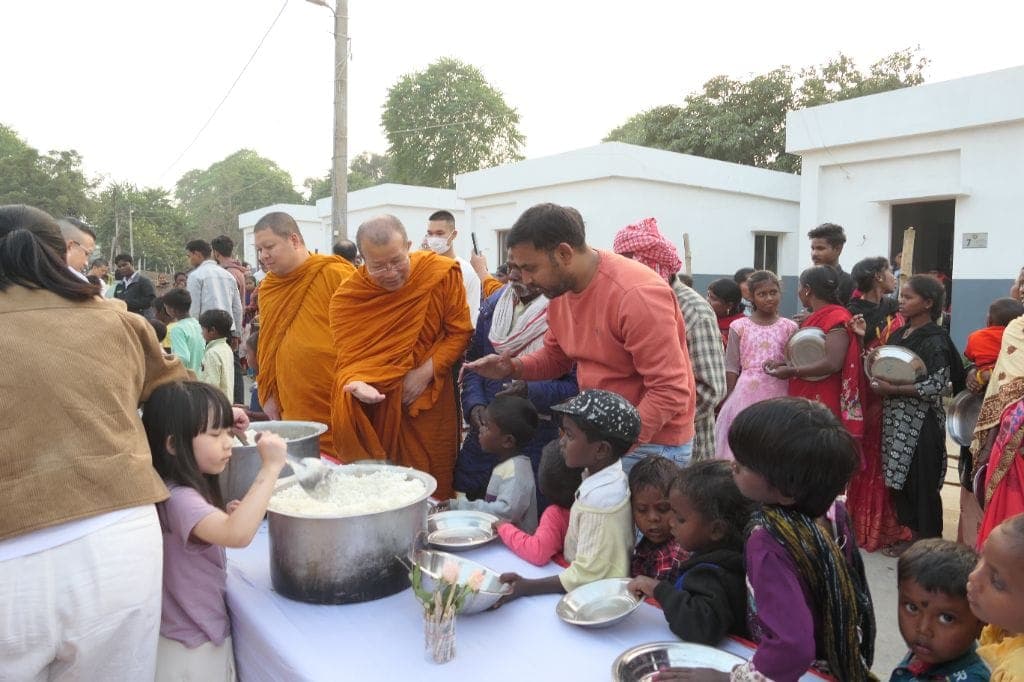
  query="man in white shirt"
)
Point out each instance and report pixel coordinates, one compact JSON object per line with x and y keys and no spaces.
{"x":440,"y":239}
{"x":211,"y":286}
{"x":80,"y":241}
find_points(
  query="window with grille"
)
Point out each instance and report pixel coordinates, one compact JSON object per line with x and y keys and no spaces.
{"x":502,"y":236}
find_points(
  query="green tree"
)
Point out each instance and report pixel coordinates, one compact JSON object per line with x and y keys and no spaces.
{"x":54,"y":182}
{"x":447,"y":120}
{"x":159,"y":227}
{"x":366,"y":170}
{"x":744,"y":121}
{"x":213,"y":198}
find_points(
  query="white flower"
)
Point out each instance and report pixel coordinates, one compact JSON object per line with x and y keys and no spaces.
{"x":450,"y":572}
{"x":476,"y":581}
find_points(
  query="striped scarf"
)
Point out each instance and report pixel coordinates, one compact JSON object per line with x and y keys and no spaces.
{"x":847,"y":635}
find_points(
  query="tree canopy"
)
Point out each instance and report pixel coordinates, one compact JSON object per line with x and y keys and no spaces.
{"x":365,"y":170}
{"x":744,"y":121}
{"x":447,"y":120}
{"x":54,"y":182}
{"x":213,"y":198}
{"x":159,"y":227}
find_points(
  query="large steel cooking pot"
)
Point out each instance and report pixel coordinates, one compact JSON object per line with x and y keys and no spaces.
{"x":303,"y":441}
{"x":346,"y":559}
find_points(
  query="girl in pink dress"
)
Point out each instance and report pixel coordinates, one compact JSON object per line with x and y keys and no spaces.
{"x":753,"y":341}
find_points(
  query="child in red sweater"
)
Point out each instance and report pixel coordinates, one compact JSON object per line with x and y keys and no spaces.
{"x":983,"y":345}
{"x":558,"y":484}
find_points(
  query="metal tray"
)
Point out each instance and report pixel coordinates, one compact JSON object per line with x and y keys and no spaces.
{"x":598,"y":604}
{"x":491,"y":589}
{"x":460,"y":529}
{"x":640,"y":663}
{"x":962,"y":416}
{"x":894,"y":364}
{"x":806,"y":347}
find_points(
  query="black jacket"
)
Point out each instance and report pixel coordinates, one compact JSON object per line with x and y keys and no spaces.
{"x":138,"y":296}
{"x":709,"y":599}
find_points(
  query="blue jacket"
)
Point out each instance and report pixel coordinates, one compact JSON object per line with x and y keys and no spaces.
{"x":473,"y":467}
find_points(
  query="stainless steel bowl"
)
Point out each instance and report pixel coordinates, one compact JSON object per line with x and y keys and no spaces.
{"x":894,"y":364}
{"x":303,"y":441}
{"x":598,"y":604}
{"x":345,"y":559}
{"x":491,"y":590}
{"x":460,"y":529}
{"x":806,"y":347}
{"x":962,"y":416}
{"x":640,"y":663}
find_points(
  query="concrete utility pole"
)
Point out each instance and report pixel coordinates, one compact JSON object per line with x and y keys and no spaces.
{"x":339,"y":166}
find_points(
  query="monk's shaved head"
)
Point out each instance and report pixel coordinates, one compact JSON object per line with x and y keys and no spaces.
{"x":380,"y":230}
{"x":282,"y":224}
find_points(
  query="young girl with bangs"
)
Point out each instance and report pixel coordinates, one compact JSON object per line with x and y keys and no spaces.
{"x":809,"y":604}
{"x":189,"y":428}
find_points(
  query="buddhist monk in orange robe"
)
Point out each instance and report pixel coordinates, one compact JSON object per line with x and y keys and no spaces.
{"x":399,"y":325}
{"x":296,"y":353}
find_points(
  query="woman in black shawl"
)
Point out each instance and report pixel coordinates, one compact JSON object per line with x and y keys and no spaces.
{"x":914,"y":421}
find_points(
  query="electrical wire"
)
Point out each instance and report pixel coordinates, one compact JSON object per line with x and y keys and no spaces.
{"x":228,"y":93}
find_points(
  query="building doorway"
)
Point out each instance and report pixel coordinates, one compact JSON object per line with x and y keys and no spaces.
{"x":933,"y":244}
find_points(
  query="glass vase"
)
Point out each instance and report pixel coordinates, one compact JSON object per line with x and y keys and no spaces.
{"x":439,"y":638}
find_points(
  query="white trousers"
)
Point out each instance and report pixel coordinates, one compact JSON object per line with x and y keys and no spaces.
{"x":85,"y":610}
{"x":206,"y":663}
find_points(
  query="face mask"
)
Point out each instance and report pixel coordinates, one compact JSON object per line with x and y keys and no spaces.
{"x":438,"y":245}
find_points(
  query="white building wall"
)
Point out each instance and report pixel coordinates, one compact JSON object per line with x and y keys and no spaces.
{"x":961,"y":140}
{"x":721,"y":224}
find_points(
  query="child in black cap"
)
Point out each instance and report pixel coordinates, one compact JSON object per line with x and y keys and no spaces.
{"x":598,"y":427}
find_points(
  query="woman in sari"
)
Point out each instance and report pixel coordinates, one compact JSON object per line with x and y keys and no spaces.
{"x":998,"y":435}
{"x":875,"y":317}
{"x":834,"y":380}
{"x":914,"y":420}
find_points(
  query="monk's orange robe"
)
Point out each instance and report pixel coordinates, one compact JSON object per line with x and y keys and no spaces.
{"x":490,"y":285}
{"x":295,"y":351}
{"x":381,"y":336}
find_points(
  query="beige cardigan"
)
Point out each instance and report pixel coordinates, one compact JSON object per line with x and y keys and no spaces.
{"x":72,"y":376}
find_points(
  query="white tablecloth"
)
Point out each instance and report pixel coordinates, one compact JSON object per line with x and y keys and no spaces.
{"x":279,"y":639}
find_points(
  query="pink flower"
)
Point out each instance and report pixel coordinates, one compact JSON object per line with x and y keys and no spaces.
{"x":476,"y":581}
{"x":450,"y":572}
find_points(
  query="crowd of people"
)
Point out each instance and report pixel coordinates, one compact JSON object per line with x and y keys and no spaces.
{"x":617,"y":422}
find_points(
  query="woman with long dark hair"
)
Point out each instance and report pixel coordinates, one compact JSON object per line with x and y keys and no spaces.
{"x":834,"y":380}
{"x":914,"y":420}
{"x":80,"y":546}
{"x":875,"y":317}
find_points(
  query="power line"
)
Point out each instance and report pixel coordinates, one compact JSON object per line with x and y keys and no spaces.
{"x":228,"y":93}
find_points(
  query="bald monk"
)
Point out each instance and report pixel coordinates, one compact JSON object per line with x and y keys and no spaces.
{"x":295,"y":353}
{"x":399,"y":325}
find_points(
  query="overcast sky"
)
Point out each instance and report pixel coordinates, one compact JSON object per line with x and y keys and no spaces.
{"x":129,"y":83}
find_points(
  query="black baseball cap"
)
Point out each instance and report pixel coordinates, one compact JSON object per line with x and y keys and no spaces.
{"x":611,"y":415}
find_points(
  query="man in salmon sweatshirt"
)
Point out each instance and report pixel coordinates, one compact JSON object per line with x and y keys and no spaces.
{"x":615,"y":318}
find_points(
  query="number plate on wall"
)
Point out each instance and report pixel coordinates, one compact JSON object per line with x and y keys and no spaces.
{"x":975,"y":240}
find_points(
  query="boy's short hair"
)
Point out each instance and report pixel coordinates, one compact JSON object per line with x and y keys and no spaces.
{"x":834,"y":234}
{"x":217,"y":320}
{"x":514,"y":416}
{"x":742,"y":274}
{"x":652,"y":471}
{"x":178,"y":300}
{"x":199,"y":246}
{"x":938,"y":565}
{"x":557,"y":481}
{"x":712,"y":492}
{"x":799,"y":447}
{"x":603,"y":416}
{"x":1003,"y":311}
